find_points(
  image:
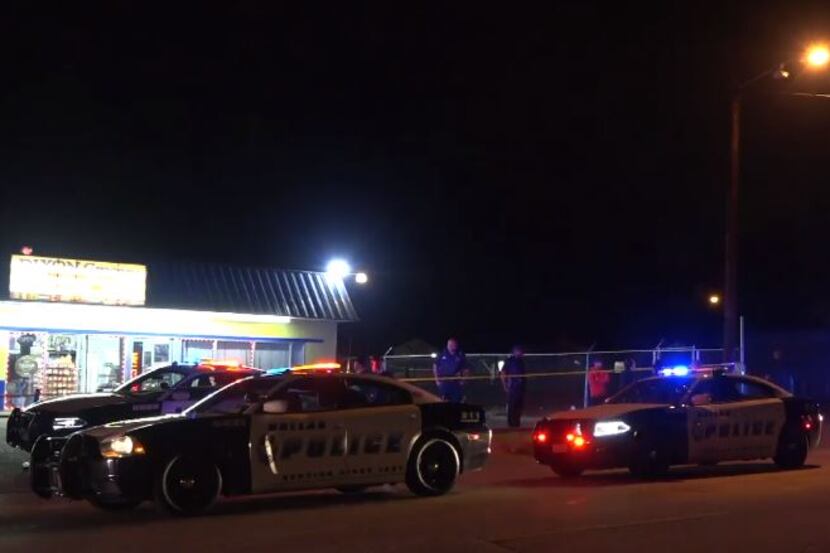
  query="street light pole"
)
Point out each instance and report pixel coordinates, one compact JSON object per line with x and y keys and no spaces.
{"x":817,"y":56}
{"x":730,"y":307}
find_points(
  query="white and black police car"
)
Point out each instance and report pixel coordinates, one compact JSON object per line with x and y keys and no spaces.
{"x":162,"y":390}
{"x":681,"y":417}
{"x":270,"y":434}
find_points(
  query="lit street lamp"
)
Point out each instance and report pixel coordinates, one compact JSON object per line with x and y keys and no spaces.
{"x":815,"y":57}
{"x":339,"y":269}
{"x":714,"y":300}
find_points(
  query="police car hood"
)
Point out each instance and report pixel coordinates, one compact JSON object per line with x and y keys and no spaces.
{"x":605,"y":411}
{"x":122,"y":427}
{"x":78,"y":402}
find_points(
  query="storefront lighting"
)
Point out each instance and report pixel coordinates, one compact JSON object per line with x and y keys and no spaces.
{"x":135,"y":320}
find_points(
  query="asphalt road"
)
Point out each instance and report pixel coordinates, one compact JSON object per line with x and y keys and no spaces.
{"x":512,"y":505}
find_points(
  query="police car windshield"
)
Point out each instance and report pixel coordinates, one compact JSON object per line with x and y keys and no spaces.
{"x":234,"y":398}
{"x":664,"y":390}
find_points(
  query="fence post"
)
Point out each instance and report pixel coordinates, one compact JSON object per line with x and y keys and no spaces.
{"x":585,"y":386}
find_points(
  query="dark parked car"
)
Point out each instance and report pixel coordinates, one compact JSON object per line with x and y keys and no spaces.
{"x":168,"y":389}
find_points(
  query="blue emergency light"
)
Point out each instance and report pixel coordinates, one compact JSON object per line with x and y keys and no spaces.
{"x":677,"y":370}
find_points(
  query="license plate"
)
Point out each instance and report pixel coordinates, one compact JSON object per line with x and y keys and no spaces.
{"x":559,"y":448}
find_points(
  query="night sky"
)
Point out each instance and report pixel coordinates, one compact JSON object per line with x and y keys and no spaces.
{"x":553,"y":175}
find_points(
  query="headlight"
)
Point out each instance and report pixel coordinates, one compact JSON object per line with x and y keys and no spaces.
{"x":67,"y":423}
{"x":610,"y":428}
{"x":121,"y":446}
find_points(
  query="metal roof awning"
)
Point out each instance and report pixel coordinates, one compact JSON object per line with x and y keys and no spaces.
{"x":296,"y":294}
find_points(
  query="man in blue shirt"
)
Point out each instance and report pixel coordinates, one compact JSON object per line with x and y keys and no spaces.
{"x":513,"y":380}
{"x":450,"y":363}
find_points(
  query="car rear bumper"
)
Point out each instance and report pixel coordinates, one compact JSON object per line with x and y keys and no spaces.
{"x":475,"y":447}
{"x":598,"y":453}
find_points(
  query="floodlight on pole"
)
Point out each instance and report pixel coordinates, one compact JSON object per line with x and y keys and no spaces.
{"x":338,"y":269}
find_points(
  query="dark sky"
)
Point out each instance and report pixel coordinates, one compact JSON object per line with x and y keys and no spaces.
{"x":551,"y":174}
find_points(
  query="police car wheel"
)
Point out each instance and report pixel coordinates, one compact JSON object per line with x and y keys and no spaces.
{"x":114,"y":506}
{"x":434,"y":465}
{"x":188,"y":485}
{"x":567,"y":470}
{"x":792,"y":450}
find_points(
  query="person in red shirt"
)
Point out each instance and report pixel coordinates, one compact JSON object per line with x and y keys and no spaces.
{"x":599,"y":381}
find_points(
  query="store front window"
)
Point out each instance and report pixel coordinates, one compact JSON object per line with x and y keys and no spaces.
{"x":271,"y":355}
{"x":197,"y":350}
{"x":233,"y":351}
{"x":103,"y":363}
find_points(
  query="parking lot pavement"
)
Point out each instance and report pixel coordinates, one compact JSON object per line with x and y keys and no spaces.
{"x":12,"y":478}
{"x":511,"y":505}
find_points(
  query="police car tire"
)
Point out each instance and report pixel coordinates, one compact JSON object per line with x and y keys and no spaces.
{"x":433,"y":467}
{"x":187,"y":485}
{"x":114,"y":506}
{"x":792,"y":449}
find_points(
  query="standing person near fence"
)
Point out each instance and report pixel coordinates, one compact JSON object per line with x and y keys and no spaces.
{"x":360,"y":366}
{"x":448,"y":367}
{"x":598,"y":382}
{"x":513,"y":379}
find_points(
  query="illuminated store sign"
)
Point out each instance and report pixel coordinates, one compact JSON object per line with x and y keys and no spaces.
{"x":76,"y":280}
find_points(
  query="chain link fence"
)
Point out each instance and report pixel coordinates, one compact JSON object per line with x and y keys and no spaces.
{"x":555,"y":381}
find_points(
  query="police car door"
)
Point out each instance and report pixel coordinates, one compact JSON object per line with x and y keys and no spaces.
{"x":734,"y":418}
{"x":381,"y":424}
{"x":759,"y":418}
{"x":303,"y":447}
{"x":711,"y":418}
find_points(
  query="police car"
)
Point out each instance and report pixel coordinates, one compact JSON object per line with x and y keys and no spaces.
{"x":681,"y":417}
{"x":168,"y":389}
{"x":270,"y":434}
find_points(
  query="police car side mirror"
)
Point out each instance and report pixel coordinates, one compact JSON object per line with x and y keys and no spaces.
{"x":701,"y":399}
{"x":275,"y":407}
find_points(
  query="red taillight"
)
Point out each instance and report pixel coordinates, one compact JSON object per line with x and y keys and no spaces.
{"x":576,"y":439}
{"x":540,"y":437}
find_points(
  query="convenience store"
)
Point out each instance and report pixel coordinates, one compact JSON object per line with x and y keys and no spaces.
{"x":79,"y":326}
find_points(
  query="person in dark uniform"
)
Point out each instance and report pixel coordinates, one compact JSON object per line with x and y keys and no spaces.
{"x":513,"y":380}
{"x":450,"y":363}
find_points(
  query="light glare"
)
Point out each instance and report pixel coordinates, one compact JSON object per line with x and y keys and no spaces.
{"x":817,"y":56}
{"x":361,"y":278}
{"x":338,"y":269}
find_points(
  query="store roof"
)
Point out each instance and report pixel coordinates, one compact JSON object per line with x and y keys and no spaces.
{"x":210,"y":287}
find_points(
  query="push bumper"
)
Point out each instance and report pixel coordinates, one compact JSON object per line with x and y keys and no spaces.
{"x":22,"y":429}
{"x":72,"y":467}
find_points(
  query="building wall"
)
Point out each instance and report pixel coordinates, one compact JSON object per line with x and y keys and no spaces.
{"x":322,"y":330}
